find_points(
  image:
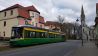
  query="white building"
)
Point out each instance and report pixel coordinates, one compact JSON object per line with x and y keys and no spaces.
{"x":18,"y":15}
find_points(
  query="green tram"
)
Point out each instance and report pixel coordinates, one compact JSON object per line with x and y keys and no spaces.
{"x":27,"y":35}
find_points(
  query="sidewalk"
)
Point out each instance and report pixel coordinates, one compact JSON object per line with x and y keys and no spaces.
{"x":89,"y":49}
{"x":4,"y":43}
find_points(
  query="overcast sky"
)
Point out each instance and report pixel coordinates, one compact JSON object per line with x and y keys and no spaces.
{"x":50,"y":9}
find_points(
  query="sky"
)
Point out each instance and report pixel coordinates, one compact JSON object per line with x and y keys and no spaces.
{"x":50,"y":9}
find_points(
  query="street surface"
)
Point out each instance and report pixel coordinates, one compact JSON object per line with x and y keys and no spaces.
{"x":88,"y":49}
{"x":54,"y":49}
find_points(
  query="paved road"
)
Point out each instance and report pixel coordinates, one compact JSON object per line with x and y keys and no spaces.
{"x":54,"y":49}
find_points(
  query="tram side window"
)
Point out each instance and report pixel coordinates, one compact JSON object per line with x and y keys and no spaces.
{"x":58,"y":36}
{"x":55,"y":35}
{"x":37,"y":35}
{"x":32,"y":34}
{"x":29,"y":34}
{"x":45,"y":35}
{"x":51,"y":35}
{"x":26,"y":34}
{"x":42,"y":34}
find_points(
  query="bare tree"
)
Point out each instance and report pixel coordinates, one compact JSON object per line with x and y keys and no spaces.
{"x":60,"y":20}
{"x":69,"y":29}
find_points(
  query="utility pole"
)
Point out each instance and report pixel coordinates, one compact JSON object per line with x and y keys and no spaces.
{"x":82,"y":35}
{"x":77,"y":33}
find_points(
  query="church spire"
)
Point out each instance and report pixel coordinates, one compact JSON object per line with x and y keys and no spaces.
{"x":82,"y":12}
{"x":82,"y":17}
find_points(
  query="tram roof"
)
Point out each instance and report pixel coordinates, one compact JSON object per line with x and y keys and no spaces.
{"x":30,"y":26}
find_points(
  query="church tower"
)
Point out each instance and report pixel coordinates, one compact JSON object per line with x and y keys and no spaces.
{"x":83,"y":24}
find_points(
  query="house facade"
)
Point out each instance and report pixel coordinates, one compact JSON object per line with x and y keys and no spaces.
{"x":18,"y":15}
{"x":96,"y":21}
{"x":52,"y":25}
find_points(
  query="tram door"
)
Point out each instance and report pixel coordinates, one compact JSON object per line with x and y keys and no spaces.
{"x":16,"y":32}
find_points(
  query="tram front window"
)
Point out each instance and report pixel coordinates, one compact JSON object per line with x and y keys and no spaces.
{"x":16,"y":33}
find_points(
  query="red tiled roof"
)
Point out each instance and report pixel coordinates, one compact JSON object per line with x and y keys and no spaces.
{"x":23,"y":11}
{"x":31,"y":8}
{"x":14,"y":6}
{"x":52,"y":23}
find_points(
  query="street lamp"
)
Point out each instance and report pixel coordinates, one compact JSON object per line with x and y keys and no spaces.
{"x":77,"y":28}
{"x":82,"y":34}
{"x":77,"y":20}
{"x":81,"y":31}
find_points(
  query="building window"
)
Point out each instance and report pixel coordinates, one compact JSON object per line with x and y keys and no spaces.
{"x":32,"y":15}
{"x":26,"y":22}
{"x":50,"y":26}
{"x":4,"y":33}
{"x":33,"y":23}
{"x":11,"y":12}
{"x":36,"y":24}
{"x":5,"y":14}
{"x":41,"y":26}
{"x":4,"y":23}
